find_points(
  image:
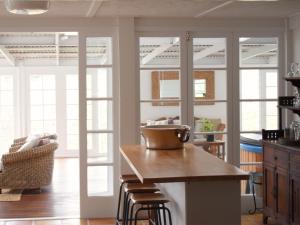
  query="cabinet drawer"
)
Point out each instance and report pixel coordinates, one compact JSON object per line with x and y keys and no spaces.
{"x":277,"y":157}
{"x":295,"y":163}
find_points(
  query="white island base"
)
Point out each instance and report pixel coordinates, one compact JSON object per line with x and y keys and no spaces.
{"x":204,"y":202}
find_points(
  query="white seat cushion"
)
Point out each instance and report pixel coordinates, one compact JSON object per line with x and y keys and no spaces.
{"x":33,"y":142}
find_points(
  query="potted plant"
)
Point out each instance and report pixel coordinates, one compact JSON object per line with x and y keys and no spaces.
{"x":208,"y":126}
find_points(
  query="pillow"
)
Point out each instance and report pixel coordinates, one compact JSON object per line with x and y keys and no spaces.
{"x":44,"y":141}
{"x":34,"y":142}
{"x":32,"y":136}
{"x":161,"y":122}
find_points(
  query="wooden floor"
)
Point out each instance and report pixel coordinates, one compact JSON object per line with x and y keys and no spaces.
{"x":246,"y":220}
{"x":61,"y":199}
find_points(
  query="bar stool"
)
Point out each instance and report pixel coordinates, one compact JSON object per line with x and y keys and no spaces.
{"x":130,"y":189}
{"x":125,"y":179}
{"x":255,"y":179}
{"x":133,"y":185}
{"x":150,"y":202}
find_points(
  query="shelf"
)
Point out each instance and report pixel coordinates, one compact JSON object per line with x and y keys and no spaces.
{"x":295,"y":110}
{"x":294,"y":80}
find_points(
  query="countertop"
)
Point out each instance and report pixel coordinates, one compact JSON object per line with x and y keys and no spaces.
{"x":282,"y":146}
{"x":182,"y":165}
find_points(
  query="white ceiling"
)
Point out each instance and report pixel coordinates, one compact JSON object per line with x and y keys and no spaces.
{"x":167,"y":8}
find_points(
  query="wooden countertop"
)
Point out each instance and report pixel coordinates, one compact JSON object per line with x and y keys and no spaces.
{"x":188,"y":164}
{"x":276,"y":144}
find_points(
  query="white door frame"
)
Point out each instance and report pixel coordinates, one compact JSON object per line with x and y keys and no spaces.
{"x":97,"y":206}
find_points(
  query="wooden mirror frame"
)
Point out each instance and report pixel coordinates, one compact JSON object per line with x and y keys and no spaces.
{"x":209,"y":77}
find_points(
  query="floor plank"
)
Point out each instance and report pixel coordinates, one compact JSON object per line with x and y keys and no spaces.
{"x":246,"y":220}
{"x":61,"y":199}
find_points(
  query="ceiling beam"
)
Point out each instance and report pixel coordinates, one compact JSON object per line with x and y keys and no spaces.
{"x":258,"y":51}
{"x":219,"y":6}
{"x":158,"y":51}
{"x":94,"y":7}
{"x":9,"y":57}
{"x":208,"y":51}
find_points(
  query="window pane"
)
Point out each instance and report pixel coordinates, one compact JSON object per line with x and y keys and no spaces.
{"x":100,"y":147}
{"x":159,"y":52}
{"x":210,"y":85}
{"x":72,"y":142}
{"x":258,"y":52}
{"x":72,"y":126}
{"x":209,"y":118}
{"x":99,"y":82}
{"x":72,"y":97}
{"x":209,"y":52}
{"x":72,"y":81}
{"x":99,"y":50}
{"x":43,"y":103}
{"x":6,"y":82}
{"x":258,"y":84}
{"x":159,"y":84}
{"x":100,"y":112}
{"x":153,"y":114}
{"x":6,"y":98}
{"x":100,"y":182}
{"x":259,"y":115}
{"x":72,"y":101}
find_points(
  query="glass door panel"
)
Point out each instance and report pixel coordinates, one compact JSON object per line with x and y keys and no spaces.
{"x":160,"y":80}
{"x":210,"y":94}
{"x":97,"y":157}
{"x":258,"y":77}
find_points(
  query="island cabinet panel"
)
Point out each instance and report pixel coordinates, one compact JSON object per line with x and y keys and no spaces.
{"x":295,"y":188}
{"x":295,"y":199}
{"x":281,"y":183}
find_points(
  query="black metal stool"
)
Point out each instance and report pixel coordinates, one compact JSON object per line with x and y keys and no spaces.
{"x":254,"y":180}
{"x":130,"y":189}
{"x":131,"y":184}
{"x":150,"y":202}
{"x":125,"y":179}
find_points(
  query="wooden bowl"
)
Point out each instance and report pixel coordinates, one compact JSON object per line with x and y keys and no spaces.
{"x":165,"y":136}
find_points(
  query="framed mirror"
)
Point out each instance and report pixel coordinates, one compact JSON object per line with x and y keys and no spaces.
{"x":165,"y":85}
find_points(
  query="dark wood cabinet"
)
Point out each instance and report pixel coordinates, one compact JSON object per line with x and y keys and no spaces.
{"x":282,"y":195}
{"x":269,"y":190}
{"x":295,"y":188}
{"x":281,"y":183}
{"x":295,"y":199}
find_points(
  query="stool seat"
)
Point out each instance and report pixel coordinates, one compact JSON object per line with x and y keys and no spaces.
{"x":149,"y":198}
{"x":129,"y":178}
{"x":140,"y":188}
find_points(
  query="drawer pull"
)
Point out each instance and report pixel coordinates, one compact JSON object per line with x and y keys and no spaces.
{"x":275,"y":158}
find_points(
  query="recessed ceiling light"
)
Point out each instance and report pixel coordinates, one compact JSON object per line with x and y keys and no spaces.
{"x":27,"y":7}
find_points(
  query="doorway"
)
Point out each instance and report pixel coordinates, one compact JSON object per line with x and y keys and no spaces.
{"x":39,"y":95}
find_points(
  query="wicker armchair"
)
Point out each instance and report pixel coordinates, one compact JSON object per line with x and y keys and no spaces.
{"x":28,"y":169}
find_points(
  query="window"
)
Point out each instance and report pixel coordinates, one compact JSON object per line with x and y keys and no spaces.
{"x":72,"y":101}
{"x":7,"y":111}
{"x":160,"y":80}
{"x":258,"y":96}
{"x":99,"y":117}
{"x":43,"y":104}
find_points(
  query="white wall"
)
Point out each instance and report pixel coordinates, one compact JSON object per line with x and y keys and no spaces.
{"x":295,"y":26}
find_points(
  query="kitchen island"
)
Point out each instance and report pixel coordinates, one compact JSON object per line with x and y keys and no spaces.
{"x":203,"y":189}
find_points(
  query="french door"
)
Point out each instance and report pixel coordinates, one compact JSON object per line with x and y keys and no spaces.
{"x":183,"y":80}
{"x":98,"y":107}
